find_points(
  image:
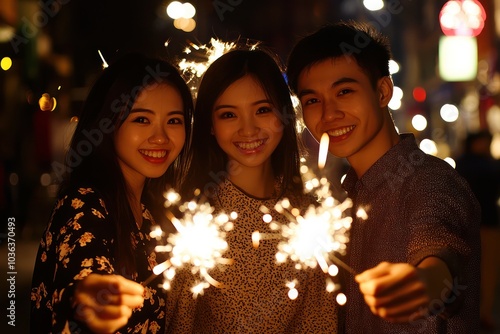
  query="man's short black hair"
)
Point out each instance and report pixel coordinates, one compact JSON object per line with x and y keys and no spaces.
{"x":358,"y":41}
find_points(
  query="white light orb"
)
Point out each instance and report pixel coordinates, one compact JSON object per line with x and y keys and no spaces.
{"x":175,"y":10}
{"x":419,"y":122}
{"x":428,"y":146}
{"x":188,"y":10}
{"x":373,"y":5}
{"x":449,"y":113}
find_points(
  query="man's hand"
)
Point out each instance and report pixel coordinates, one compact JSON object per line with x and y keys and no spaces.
{"x":400,"y":292}
{"x":105,"y":302}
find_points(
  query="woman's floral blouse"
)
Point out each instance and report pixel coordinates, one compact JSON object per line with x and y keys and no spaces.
{"x":78,"y":241}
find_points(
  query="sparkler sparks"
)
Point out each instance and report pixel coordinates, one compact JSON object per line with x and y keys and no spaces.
{"x":199,"y":242}
{"x":203,"y":56}
{"x":314,"y":237}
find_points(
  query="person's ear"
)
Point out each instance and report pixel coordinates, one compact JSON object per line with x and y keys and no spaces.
{"x":212,"y":130}
{"x":385,"y":89}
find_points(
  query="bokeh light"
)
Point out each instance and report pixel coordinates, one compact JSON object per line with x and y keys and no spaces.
{"x":428,"y":146}
{"x":175,"y":10}
{"x":449,"y":113}
{"x":182,"y":14}
{"x":373,"y":5}
{"x":393,"y":67}
{"x":6,"y":63}
{"x":397,"y":96}
{"x":462,"y":18}
{"x":419,"y":94}
{"x":419,"y":122}
{"x":451,"y":162}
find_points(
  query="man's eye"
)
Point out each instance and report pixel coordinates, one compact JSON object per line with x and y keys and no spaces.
{"x":345,"y":91}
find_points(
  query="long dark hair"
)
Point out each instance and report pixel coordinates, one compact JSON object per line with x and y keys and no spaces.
{"x":208,"y":161}
{"x":92,"y":160}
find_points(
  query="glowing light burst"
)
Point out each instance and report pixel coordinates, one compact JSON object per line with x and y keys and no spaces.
{"x":202,"y":57}
{"x":316,"y":236}
{"x":199,"y":242}
{"x":312,"y":238}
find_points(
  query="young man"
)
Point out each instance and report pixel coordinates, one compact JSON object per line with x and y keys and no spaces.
{"x":417,"y":254}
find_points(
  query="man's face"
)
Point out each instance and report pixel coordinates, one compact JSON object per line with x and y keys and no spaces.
{"x":338,"y":98}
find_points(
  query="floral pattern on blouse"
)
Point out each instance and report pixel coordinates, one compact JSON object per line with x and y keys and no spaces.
{"x":78,"y":241}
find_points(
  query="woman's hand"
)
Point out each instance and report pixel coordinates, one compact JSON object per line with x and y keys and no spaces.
{"x":105,"y":302}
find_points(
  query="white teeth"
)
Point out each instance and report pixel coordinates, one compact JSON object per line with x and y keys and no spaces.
{"x":249,"y":146}
{"x":340,"y":132}
{"x":154,"y":154}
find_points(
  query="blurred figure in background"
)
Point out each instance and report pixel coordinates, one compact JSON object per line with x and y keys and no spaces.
{"x":482,"y":172}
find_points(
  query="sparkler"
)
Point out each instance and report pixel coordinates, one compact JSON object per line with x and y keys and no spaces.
{"x":104,"y":62}
{"x":199,"y":243}
{"x":203,"y":56}
{"x":312,"y":238}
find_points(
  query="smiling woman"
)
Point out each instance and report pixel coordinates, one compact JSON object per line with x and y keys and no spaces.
{"x":96,"y":249}
{"x":247,"y":126}
{"x":245,"y":155}
{"x":150,"y":138}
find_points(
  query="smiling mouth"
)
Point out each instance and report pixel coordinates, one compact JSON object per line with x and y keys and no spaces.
{"x":341,"y":131}
{"x":158,"y":154}
{"x":250,"y":145}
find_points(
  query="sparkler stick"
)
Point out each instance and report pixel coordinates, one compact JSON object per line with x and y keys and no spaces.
{"x":322,"y":155}
{"x":157,"y":271}
{"x":323,"y":150}
{"x":104,"y":62}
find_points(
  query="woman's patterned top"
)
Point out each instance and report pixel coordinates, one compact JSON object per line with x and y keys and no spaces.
{"x":255,"y":294}
{"x":78,"y":241}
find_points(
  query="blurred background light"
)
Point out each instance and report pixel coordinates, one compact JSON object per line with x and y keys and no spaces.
{"x":419,"y":94}
{"x":462,"y":18}
{"x":457,"y":58}
{"x":373,"y":5}
{"x":397,"y":96}
{"x":393,"y":67}
{"x":419,"y":122}
{"x":449,"y":113}
{"x":6,"y":63}
{"x":182,"y":14}
{"x":175,"y":10}
{"x":451,"y":162}
{"x":428,"y":146}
